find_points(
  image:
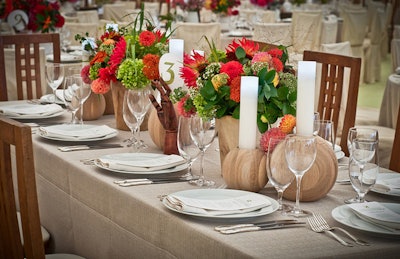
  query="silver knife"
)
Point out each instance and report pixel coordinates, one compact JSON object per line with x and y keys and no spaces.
{"x":258,"y":228}
{"x":87,"y":147}
{"x":148,"y":181}
{"x":171,"y":178}
{"x":266,"y":223}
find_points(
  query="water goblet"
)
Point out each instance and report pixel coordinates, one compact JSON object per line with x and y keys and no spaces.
{"x":130,"y":121}
{"x":324,"y":129}
{"x":70,"y":97}
{"x":279,"y":176}
{"x":363,"y":166}
{"x":364,"y":133}
{"x":54,"y":76}
{"x":84,"y":91}
{"x":203,"y":132}
{"x":186,"y":146}
{"x":139,"y":103}
{"x":300,"y":153}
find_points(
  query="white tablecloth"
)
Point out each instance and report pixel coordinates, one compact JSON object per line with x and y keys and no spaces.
{"x":390,"y":102}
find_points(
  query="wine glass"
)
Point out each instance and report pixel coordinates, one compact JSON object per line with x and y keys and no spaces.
{"x":130,"y":121}
{"x":70,"y":97}
{"x":139,"y":103}
{"x":364,"y":133}
{"x":324,"y":129}
{"x":186,"y":146}
{"x":363,"y":166}
{"x":54,"y":76}
{"x":83,"y":92}
{"x":300,"y":153}
{"x":279,"y":176}
{"x":203,"y":132}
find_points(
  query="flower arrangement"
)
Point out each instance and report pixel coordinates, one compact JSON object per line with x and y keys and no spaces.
{"x":213,"y":83}
{"x":222,"y":6}
{"x":44,"y":16}
{"x":188,"y":5}
{"x":286,"y":126}
{"x":262,"y":3}
{"x":130,"y":55}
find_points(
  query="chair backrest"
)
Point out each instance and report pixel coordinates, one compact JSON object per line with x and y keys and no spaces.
{"x":27,"y":62}
{"x":306,"y":30}
{"x":264,"y":46}
{"x":75,"y":28}
{"x":395,"y":157}
{"x":17,"y":136}
{"x":331,"y":89}
{"x":275,"y":33}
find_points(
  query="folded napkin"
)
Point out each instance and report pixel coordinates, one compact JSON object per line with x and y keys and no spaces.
{"x":75,"y":132}
{"x":377,"y":214}
{"x":49,"y":98}
{"x":236,"y":205}
{"x":143,"y":165}
{"x":27,"y":109}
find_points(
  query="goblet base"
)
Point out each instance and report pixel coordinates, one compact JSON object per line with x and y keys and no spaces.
{"x":202,"y":182}
{"x":354,"y":200}
{"x":299,"y":213}
{"x":285,"y":209}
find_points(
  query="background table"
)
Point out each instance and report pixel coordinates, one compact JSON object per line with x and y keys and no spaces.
{"x":87,"y":214}
{"x":390,"y":102}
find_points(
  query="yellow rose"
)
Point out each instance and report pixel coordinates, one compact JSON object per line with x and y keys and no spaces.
{"x":264,"y":119}
{"x":276,"y":79}
{"x":219,"y":80}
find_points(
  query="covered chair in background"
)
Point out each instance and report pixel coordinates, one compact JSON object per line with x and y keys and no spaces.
{"x":28,"y":60}
{"x":395,"y":156}
{"x":306,"y":30}
{"x":332,"y":87}
{"x":74,"y":28}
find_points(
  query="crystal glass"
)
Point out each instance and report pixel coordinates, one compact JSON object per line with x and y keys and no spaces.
{"x":364,"y":133}
{"x":279,"y":176}
{"x":70,"y":97}
{"x":300,"y":153}
{"x":324,"y":129}
{"x":203,"y":132}
{"x":186,"y":146}
{"x":139,"y":103}
{"x":83,"y":92}
{"x":363,"y":166}
{"x":130,"y":121}
{"x":54,"y":76}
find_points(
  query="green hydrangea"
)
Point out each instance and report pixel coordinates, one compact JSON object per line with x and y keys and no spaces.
{"x":131,"y":75}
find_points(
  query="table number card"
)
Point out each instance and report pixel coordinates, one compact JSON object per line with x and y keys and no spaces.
{"x":171,"y":63}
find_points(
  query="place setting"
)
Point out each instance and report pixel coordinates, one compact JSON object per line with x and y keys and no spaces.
{"x":27,"y":111}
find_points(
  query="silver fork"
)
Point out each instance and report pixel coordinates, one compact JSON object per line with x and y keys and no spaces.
{"x":316,"y":227}
{"x":326,"y":226}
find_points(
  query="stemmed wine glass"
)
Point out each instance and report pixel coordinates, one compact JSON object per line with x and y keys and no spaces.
{"x":130,"y":121}
{"x":186,"y":146}
{"x":279,"y":176}
{"x":70,"y":96}
{"x":203,"y":132}
{"x":300,"y":153}
{"x":361,"y":133}
{"x":363,"y":166}
{"x":54,"y":76}
{"x":139,"y":103}
{"x":84,"y":91}
{"x":324,"y":129}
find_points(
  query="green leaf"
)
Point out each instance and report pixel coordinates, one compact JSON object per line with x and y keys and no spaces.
{"x":283,"y":93}
{"x":240,"y":53}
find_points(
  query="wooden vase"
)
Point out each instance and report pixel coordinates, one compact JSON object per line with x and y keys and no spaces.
{"x":118,"y":91}
{"x":93,"y":107}
{"x":228,"y":135}
{"x":109,"y":103}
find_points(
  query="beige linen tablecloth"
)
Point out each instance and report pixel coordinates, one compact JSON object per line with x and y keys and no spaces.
{"x":390,"y":102}
{"x":87,"y":214}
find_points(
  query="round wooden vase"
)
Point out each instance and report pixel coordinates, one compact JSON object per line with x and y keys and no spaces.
{"x":228,"y":135}
{"x":244,"y":169}
{"x":319,"y":180}
{"x":93,"y":107}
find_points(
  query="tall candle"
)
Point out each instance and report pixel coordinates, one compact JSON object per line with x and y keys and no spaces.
{"x":248,"y":112}
{"x":305,"y":98}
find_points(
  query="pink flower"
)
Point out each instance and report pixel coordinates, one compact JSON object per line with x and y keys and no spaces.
{"x":99,"y":86}
{"x":275,"y":133}
{"x":85,"y":74}
{"x":261,"y":57}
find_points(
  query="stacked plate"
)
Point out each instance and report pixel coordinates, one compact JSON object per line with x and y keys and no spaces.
{"x":338,"y":152}
{"x":387,"y":183}
{"x":141,"y":163}
{"x":31,"y":111}
{"x":220,"y":203}
{"x":77,"y":132}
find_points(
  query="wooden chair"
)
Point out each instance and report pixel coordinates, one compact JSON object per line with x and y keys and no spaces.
{"x":395,"y":157}
{"x":18,"y":135}
{"x":27,"y":62}
{"x":331,"y":90}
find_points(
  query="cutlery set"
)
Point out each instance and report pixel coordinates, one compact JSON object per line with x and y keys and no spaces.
{"x":87,"y":147}
{"x":268,"y":225}
{"x":145,"y":181}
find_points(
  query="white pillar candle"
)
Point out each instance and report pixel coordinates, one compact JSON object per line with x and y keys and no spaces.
{"x":176,"y":48}
{"x":305,"y":98}
{"x":248,"y":112}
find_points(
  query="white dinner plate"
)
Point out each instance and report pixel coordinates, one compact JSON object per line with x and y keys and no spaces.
{"x":382,"y":189}
{"x":76,"y":128}
{"x":32,"y":111}
{"x":139,"y":157}
{"x":345,"y":215}
{"x":218,"y":194}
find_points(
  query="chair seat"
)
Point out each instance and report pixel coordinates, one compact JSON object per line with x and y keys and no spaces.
{"x":45,"y":233}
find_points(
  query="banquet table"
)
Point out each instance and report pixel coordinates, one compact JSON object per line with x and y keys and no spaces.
{"x":87,"y":214}
{"x":390,"y":102}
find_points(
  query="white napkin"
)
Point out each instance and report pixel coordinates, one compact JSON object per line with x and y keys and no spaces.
{"x":75,"y":133}
{"x":21,"y":110}
{"x":391,"y":186}
{"x":49,"y":98}
{"x":237,"y":205}
{"x":146,"y":165}
{"x":376,"y":213}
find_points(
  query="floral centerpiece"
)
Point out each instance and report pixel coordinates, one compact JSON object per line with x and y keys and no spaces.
{"x":44,"y":16}
{"x":222,"y":6}
{"x":213,"y":83}
{"x":261,"y":3}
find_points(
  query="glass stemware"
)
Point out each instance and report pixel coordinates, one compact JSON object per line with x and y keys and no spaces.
{"x":203,"y":132}
{"x":364,"y":133}
{"x":300,"y":153}
{"x":363,"y":166}
{"x":139,"y":103}
{"x":279,"y":176}
{"x":54,"y":76}
{"x":186,"y":146}
{"x":83,"y":92}
{"x":324,"y":129}
{"x":130,"y":121}
{"x":70,"y":97}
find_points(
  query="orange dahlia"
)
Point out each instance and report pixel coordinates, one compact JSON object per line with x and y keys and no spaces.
{"x":287,"y":124}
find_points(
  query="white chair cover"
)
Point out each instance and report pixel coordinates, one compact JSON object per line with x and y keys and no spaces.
{"x":306,"y":30}
{"x":274,"y":33}
{"x":193,"y":35}
{"x":266,"y":16}
{"x":395,"y":52}
{"x":329,"y":29}
{"x":91,"y":16}
{"x":81,"y":28}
